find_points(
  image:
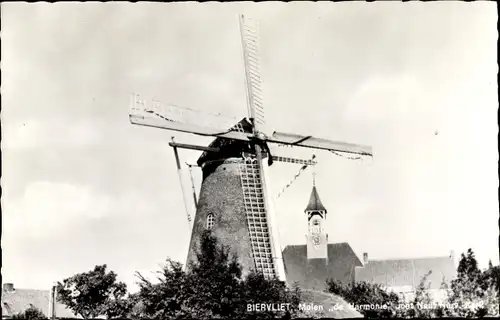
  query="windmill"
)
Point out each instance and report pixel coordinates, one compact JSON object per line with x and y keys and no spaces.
{"x":234,"y":198}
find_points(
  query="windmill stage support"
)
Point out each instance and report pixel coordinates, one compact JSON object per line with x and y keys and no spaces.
{"x":192,"y":147}
{"x":216,"y":150}
{"x":179,"y":172}
{"x":192,"y":185}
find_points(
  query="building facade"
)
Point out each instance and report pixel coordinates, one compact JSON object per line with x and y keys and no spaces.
{"x":403,"y":276}
{"x":15,"y":301}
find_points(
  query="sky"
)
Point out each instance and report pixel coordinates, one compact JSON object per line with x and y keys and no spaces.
{"x":82,"y":186}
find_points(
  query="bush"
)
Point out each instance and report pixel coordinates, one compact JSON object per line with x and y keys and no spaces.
{"x":94,"y":293}
{"x":474,"y":293}
{"x":31,"y":313}
{"x":422,"y":297}
{"x":212,"y":288}
{"x":364,"y":293}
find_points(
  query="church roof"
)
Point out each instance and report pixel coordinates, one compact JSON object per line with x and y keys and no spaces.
{"x":407,"y":272}
{"x":313,"y":273}
{"x":315,"y":202}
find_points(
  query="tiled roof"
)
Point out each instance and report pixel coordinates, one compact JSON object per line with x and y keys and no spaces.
{"x":407,"y":272}
{"x":315,"y":202}
{"x":313,"y":273}
{"x":17,"y":301}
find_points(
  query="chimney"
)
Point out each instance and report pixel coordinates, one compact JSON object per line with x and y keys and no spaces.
{"x":453,"y":258}
{"x":365,"y":258}
{"x":452,"y":254}
{"x":8,"y":287}
{"x":52,"y":302}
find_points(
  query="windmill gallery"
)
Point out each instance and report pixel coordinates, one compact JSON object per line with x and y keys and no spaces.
{"x":234,"y":200}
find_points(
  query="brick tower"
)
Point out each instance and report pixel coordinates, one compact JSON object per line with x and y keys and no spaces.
{"x":223,"y":204}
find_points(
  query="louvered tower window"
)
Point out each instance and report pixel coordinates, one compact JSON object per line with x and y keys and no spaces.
{"x":210,"y":221}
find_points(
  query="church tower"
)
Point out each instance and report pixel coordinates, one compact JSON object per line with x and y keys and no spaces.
{"x":317,"y":239}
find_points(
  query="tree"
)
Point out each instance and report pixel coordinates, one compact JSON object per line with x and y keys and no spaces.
{"x":31,"y":313}
{"x":215,"y":278}
{"x":491,"y":278}
{"x":423,"y":304}
{"x":295,"y":297}
{"x":166,"y":299}
{"x":94,"y":293}
{"x":440,"y":310}
{"x":137,"y":310}
{"x":117,"y":307}
{"x":490,"y":284}
{"x":213,"y":287}
{"x":257,"y":290}
{"x":474,"y":293}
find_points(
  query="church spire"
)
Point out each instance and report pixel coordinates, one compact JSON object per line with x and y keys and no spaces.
{"x":314,"y":200}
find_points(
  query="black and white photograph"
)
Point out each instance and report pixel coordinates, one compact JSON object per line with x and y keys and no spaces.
{"x":244,"y":160}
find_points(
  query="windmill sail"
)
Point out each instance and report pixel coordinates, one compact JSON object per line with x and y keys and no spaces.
{"x":189,"y":128}
{"x":260,"y":215}
{"x":318,"y":143}
{"x":251,"y":55}
{"x":155,"y":114}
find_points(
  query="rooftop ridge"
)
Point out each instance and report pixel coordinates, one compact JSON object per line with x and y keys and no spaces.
{"x":410,"y":258}
{"x":27,"y":289}
{"x":304,"y":245}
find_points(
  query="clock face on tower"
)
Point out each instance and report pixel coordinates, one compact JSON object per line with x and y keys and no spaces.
{"x":316,"y":240}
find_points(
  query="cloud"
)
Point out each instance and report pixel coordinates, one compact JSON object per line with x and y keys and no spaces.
{"x":31,"y":133}
{"x":47,"y":207}
{"x":74,"y":228}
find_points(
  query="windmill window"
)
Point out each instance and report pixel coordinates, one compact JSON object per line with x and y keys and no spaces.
{"x":210,"y":221}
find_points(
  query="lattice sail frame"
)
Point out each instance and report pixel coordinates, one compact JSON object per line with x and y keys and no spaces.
{"x":257,"y":220}
{"x":155,"y":108}
{"x":251,"y":54}
{"x":258,"y":202}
